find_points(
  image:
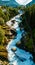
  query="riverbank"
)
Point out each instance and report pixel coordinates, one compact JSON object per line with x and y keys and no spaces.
{"x":21,"y":46}
{"x":3,"y":57}
{"x":28,"y":25}
{"x":6,"y":33}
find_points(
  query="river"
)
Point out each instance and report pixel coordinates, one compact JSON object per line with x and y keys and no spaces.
{"x":19,"y":57}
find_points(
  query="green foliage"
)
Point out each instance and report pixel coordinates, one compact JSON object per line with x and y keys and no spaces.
{"x":8,"y":12}
{"x":28,"y":22}
{"x":1,"y":21}
{"x":30,"y":16}
{"x":12,"y":12}
{"x":29,"y":44}
{"x":2,"y":34}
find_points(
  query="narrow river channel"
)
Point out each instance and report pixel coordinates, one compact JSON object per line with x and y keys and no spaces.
{"x":19,"y":57}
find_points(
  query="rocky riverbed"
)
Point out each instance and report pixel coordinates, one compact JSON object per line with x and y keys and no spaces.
{"x":4,"y":62}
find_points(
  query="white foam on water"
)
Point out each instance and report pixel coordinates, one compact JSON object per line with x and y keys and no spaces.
{"x":23,"y":2}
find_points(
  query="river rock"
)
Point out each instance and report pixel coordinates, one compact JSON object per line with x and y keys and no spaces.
{"x":14,"y":49}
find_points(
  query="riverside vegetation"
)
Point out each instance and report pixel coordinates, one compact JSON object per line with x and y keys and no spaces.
{"x":28,"y":24}
{"x":6,"y":34}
